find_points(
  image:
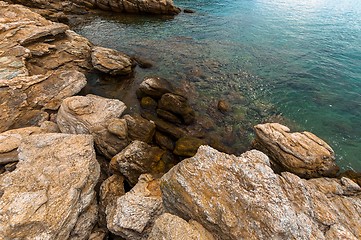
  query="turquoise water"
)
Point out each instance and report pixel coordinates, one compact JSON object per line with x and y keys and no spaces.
{"x":298,"y":61}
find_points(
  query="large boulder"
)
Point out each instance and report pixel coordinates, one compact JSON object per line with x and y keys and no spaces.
{"x":111,"y":61}
{"x":51,"y":194}
{"x":133,"y":215}
{"x":138,"y":158}
{"x":242,"y":198}
{"x":171,"y":227}
{"x":303,"y":154}
{"x":92,"y":115}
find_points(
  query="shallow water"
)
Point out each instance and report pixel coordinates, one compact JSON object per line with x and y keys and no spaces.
{"x":297,"y":59}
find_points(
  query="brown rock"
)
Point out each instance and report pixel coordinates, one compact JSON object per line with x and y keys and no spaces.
{"x":242,"y":198}
{"x":301,"y":153}
{"x":164,"y":141}
{"x":187,"y":146}
{"x":223,"y":106}
{"x":139,"y":128}
{"x":138,"y":158}
{"x":168,"y":116}
{"x":155,"y":87}
{"x":148,"y":103}
{"x":178,"y":105}
{"x":111,"y":61}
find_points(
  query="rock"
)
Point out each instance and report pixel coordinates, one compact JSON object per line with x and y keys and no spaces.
{"x":118,"y":127}
{"x":111,"y":61}
{"x":10,"y":141}
{"x":303,"y":153}
{"x":110,"y":190}
{"x":134,"y":214}
{"x":186,"y":10}
{"x":27,"y":98}
{"x":155,"y":87}
{"x":138,"y":158}
{"x":148,"y":103}
{"x":242,"y":198}
{"x":354,"y":176}
{"x":223,"y":106}
{"x":170,"y":227}
{"x":143,"y":63}
{"x":98,"y":234}
{"x":139,"y":128}
{"x":92,"y":114}
{"x":164,"y":141}
{"x":187,"y":146}
{"x":168,"y":116}
{"x":178,"y":105}
{"x":51,"y":190}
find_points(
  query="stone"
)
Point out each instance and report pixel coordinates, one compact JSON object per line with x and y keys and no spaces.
{"x":118,"y":127}
{"x":98,"y":234}
{"x":168,"y":116}
{"x":92,"y":114}
{"x":155,"y":87}
{"x":303,"y":153}
{"x":139,"y":128}
{"x":111,"y":61}
{"x":10,"y":141}
{"x":242,"y":198}
{"x":27,"y":98}
{"x":143,"y":63}
{"x":51,"y":191}
{"x":170,"y":227}
{"x":354,"y":176}
{"x":133,"y":215}
{"x":178,"y":105}
{"x":164,"y":141}
{"x":138,"y":158}
{"x":186,"y":10}
{"x":188,"y":146}
{"x":148,"y":103}
{"x":111,"y":189}
{"x":223,"y":106}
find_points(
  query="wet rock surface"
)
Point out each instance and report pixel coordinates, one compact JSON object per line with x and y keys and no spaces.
{"x":51,"y":189}
{"x":301,"y":153}
{"x":242,"y":198}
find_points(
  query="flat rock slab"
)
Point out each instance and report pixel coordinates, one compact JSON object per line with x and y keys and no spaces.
{"x":51,"y":188}
{"x":303,"y":154}
{"x":242,"y":198}
{"x":111,"y":61}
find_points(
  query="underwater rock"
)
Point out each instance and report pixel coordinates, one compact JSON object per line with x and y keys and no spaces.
{"x":155,"y":87}
{"x":178,"y":105}
{"x":188,"y":146}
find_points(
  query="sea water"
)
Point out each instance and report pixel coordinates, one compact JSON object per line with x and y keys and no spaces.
{"x":298,"y":60}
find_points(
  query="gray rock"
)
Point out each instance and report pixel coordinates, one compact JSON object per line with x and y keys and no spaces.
{"x":111,"y":61}
{"x":51,"y":190}
{"x":133,"y":215}
{"x":303,"y":153}
{"x":91,"y":115}
{"x":242,"y":198}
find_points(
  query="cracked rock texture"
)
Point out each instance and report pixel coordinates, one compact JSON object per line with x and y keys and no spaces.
{"x":171,"y":227}
{"x":51,"y":194}
{"x":133,"y":215}
{"x":92,"y":114}
{"x":303,"y":154}
{"x":242,"y":198}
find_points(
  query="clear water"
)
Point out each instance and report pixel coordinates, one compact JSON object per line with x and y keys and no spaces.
{"x":297,"y":59}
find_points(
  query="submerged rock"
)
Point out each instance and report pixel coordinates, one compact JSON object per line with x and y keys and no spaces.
{"x":155,"y":87}
{"x":92,"y":114}
{"x":52,"y":189}
{"x":178,"y":105}
{"x":242,"y":198}
{"x":133,"y":215}
{"x":303,"y":153}
{"x":111,"y":61}
{"x":188,"y":146}
{"x":171,"y":227}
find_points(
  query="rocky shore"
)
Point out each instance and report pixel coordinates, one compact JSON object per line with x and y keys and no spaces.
{"x":82,"y":167}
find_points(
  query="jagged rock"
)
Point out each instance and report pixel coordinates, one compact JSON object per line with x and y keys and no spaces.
{"x":171,"y":227}
{"x":10,"y":141}
{"x":303,"y":153}
{"x":111,"y":189}
{"x":242,"y":198}
{"x":178,"y":105}
{"x":111,"y":61}
{"x":139,"y":128}
{"x":164,"y":141}
{"x":51,"y":190}
{"x":155,"y":87}
{"x":138,"y":158}
{"x":187,"y":146}
{"x":25,"y":99}
{"x":92,"y":114}
{"x":133,"y":215}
